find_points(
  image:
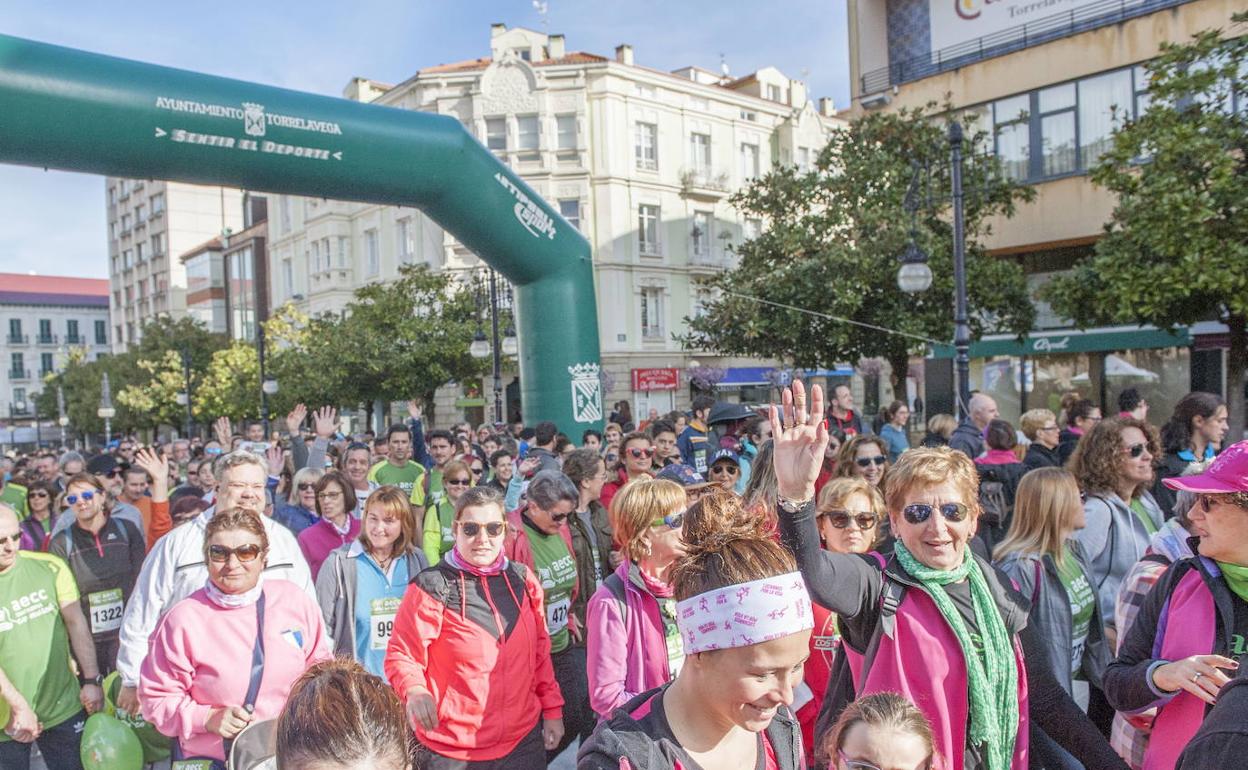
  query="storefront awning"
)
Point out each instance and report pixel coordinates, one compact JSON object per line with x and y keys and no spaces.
{"x":1072,"y":341}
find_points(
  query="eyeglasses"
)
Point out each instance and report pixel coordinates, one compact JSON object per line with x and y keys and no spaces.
{"x":862,"y":764}
{"x":559,"y":518}
{"x":115,"y":473}
{"x":1049,"y":428}
{"x":672,"y":520}
{"x":638,"y":454}
{"x":917,"y":513}
{"x":1135,"y":450}
{"x":37,"y":494}
{"x":329,"y":496}
{"x":84,"y":495}
{"x":457,"y":482}
{"x":305,"y":486}
{"x":867,"y":462}
{"x":731,"y":469}
{"x":477,"y":469}
{"x":14,"y":539}
{"x":1233,"y":498}
{"x":472,"y":528}
{"x":220,"y":554}
{"x":841,"y":519}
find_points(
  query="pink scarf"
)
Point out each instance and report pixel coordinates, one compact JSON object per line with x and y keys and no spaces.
{"x":459,"y":562}
{"x":998,"y":457}
{"x":657,"y":588}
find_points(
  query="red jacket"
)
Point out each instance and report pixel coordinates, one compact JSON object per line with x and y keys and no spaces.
{"x":479,"y":646}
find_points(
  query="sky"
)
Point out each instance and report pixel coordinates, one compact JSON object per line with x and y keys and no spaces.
{"x":53,"y":222}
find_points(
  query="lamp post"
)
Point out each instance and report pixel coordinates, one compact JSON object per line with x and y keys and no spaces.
{"x":480,"y":347}
{"x":915,"y":275}
{"x":268,"y":387}
{"x":106,"y":412}
{"x":184,"y":398}
{"x":61,"y":419}
{"x":15,"y":408}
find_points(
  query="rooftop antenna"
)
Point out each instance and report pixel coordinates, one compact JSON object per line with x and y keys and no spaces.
{"x":541,"y":6}
{"x":723,"y":67}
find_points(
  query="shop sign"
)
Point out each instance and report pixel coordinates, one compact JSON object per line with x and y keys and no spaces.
{"x":1068,"y":342}
{"x":957,"y":22}
{"x":655,"y":379}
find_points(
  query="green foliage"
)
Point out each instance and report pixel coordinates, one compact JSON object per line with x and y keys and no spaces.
{"x":832,"y":245}
{"x":1175,"y":251}
{"x":231,"y":385}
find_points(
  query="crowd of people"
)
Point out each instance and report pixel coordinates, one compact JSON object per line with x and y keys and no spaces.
{"x":724,"y":588}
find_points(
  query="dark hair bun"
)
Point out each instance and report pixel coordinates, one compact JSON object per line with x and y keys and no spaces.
{"x":726,"y":545}
{"x":717,"y":521}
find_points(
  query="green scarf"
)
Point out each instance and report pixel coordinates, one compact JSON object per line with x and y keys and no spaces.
{"x":992,"y":676}
{"x":1236,"y":577}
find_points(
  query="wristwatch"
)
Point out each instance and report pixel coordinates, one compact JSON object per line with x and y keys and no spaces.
{"x":96,"y":680}
{"x":791,"y":506}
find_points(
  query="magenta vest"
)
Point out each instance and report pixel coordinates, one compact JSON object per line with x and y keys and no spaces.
{"x":923,"y":661}
{"x":1188,"y":628}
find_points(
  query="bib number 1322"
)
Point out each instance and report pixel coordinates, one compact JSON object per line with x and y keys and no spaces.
{"x":106,"y":610}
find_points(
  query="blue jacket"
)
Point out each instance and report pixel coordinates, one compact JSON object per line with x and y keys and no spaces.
{"x":294,"y":517}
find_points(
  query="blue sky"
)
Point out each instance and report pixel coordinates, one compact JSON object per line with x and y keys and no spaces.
{"x":54,"y":222}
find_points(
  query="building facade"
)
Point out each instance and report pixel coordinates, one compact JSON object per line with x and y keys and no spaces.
{"x":45,"y":318}
{"x":641,"y":161}
{"x":227,"y":277}
{"x":151,"y":223}
{"x":1047,"y":88}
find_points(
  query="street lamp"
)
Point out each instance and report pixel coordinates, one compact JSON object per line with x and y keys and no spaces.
{"x":61,"y":419}
{"x":184,"y":397}
{"x":915,"y":275}
{"x":106,"y":412}
{"x":481,"y":347}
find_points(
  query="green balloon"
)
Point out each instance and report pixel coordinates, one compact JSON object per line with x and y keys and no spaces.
{"x":107,"y":744}
{"x":156,"y":747}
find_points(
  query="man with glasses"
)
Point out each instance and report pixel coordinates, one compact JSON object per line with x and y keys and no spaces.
{"x":43,"y":624}
{"x":1041,"y":429}
{"x":175,"y":567}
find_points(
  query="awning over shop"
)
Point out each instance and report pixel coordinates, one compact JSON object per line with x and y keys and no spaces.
{"x":1072,"y":341}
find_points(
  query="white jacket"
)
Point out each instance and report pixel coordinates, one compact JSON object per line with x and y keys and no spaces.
{"x":175,"y":569}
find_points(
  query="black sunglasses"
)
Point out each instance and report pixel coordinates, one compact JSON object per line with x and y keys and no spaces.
{"x":867,"y":462}
{"x":1135,"y":450}
{"x":457,"y":482}
{"x":917,"y":513}
{"x":472,"y":528}
{"x":559,"y":518}
{"x":841,"y":519}
{"x":245,"y":553}
{"x":305,"y":486}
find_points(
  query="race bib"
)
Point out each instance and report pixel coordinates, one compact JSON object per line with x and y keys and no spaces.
{"x":106,"y":608}
{"x":192,"y":764}
{"x":557,"y":616}
{"x":381,"y":616}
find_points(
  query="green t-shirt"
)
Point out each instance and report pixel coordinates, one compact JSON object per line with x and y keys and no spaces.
{"x":14,"y":495}
{"x":437,"y":537}
{"x":556,"y":570}
{"x":436,"y":490}
{"x":34,"y":644}
{"x":1142,"y":514}
{"x":1081,"y":596}
{"x":409,"y":478}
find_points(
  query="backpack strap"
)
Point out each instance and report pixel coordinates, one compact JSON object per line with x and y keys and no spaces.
{"x":616,"y":586}
{"x":891,"y":595}
{"x":1157,"y":558}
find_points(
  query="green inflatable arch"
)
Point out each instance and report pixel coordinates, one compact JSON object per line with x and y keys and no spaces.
{"x":68,"y":109}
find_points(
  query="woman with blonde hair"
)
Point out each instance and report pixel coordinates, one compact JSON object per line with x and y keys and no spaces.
{"x":1049,"y":568}
{"x":880,"y":730}
{"x":866,"y":457}
{"x":633,"y":642}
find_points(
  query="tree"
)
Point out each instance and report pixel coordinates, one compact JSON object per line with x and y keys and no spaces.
{"x":832,"y":242}
{"x":158,"y":375}
{"x":231,"y":386}
{"x":1175,"y":251}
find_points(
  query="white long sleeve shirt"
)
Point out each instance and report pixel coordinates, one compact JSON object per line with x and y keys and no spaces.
{"x":175,"y":569}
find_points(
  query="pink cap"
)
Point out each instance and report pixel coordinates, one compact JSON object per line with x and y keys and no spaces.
{"x":1227,"y":473}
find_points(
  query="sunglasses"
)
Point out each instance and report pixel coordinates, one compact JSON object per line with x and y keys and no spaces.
{"x":559,"y":518}
{"x":246,"y":554}
{"x":457,"y":482}
{"x":1135,"y":450}
{"x":861,"y":764}
{"x":841,"y":519}
{"x":638,"y":454}
{"x":477,"y":469}
{"x":672,"y":520}
{"x":304,"y":487}
{"x":1234,"y":498}
{"x":867,"y":462}
{"x":917,"y":513}
{"x":85,"y":495}
{"x":37,"y":494}
{"x":734,"y":470}
{"x":115,"y":473}
{"x":472,"y":528}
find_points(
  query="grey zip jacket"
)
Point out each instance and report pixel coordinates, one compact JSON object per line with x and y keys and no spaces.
{"x":1113,"y":541}
{"x":336,"y":586}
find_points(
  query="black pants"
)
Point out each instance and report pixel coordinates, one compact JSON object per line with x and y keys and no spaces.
{"x":59,"y":745}
{"x":106,"y":649}
{"x":578,"y":717}
{"x":529,"y":754}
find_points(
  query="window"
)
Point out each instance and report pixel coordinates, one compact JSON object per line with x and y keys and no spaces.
{"x":652,"y":313}
{"x":749,"y":161}
{"x":525,"y":53}
{"x":496,"y":134}
{"x":158,"y":245}
{"x":774,"y":93}
{"x":140,"y":215}
{"x":700,"y":153}
{"x":700,"y":235}
{"x":285,"y":213}
{"x":112,"y":231}
{"x":45,"y":364}
{"x":19,"y":395}
{"x":648,"y":229}
{"x":240,"y":293}
{"x":140,"y":252}
{"x":701,"y":302}
{"x":71,"y":331}
{"x":570,"y":209}
{"x":1011,"y":118}
{"x":1059,"y":152}
{"x":158,"y":204}
{"x":17,"y":365}
{"x":45,"y":330}
{"x":324,"y":254}
{"x":15,"y":331}
{"x":565,"y":128}
{"x":803,"y":159}
{"x":403,"y":236}
{"x":125,"y":223}
{"x":288,"y":278}
{"x":373,"y":259}
{"x":646,"y":146}
{"x":1105,"y":103}
{"x":112,"y":195}
{"x":101,"y":333}
{"x":528,"y":136}
{"x":749,"y":115}
{"x":342,"y":251}
{"x":644,"y":91}
{"x":316,"y":256}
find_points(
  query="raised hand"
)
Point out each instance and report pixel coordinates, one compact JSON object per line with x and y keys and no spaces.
{"x":275,"y":458}
{"x":325,"y":421}
{"x":224,"y":431}
{"x":294,"y":420}
{"x":413,"y":409}
{"x":798,"y":441}
{"x":150,"y":460}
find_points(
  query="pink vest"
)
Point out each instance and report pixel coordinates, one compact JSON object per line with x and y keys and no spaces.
{"x":923,"y":661}
{"x":1189,"y":620}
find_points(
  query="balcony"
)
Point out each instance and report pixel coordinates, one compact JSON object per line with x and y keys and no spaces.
{"x":18,"y":339}
{"x":43,"y":373}
{"x":703,"y":184}
{"x":75,"y":339}
{"x":47,"y":339}
{"x":19,"y":375}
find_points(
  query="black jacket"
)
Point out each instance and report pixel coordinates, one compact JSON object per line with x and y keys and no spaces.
{"x":1222,"y":740}
{"x":1066,"y":442}
{"x":967,"y":439}
{"x":1171,"y":466}
{"x":1040,"y":456}
{"x":582,"y":546}
{"x":1009,"y":474}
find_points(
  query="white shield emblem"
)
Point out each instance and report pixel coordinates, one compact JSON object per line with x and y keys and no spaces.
{"x":586,"y":393}
{"x":253,"y":119}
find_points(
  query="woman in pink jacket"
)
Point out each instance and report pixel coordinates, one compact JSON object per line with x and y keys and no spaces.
{"x":197,"y":683}
{"x":633,"y":644}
